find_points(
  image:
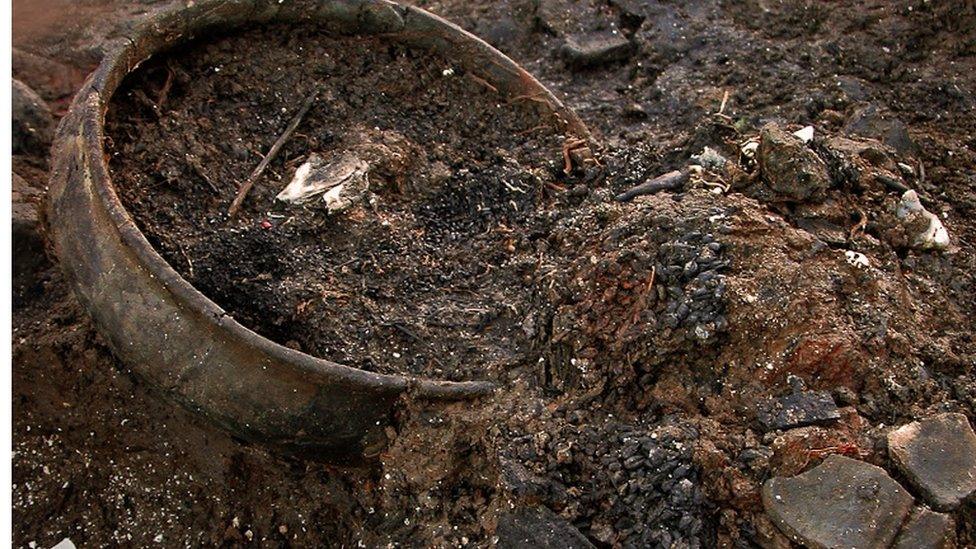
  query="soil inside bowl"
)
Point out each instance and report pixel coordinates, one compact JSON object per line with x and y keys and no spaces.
{"x":421,"y":275}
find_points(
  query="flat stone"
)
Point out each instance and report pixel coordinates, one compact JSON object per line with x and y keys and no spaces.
{"x":519,"y":481}
{"x":927,"y":529}
{"x":798,"y":410}
{"x":33,"y":124}
{"x":938,"y":456}
{"x":870,"y":121}
{"x":789,"y":168}
{"x":591,"y":50}
{"x":538,"y":527}
{"x":842,"y":502}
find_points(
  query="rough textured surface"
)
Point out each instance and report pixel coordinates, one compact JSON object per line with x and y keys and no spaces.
{"x":892,"y":342}
{"x":33,"y":126}
{"x":29,"y":259}
{"x":868,"y":121}
{"x":792,"y":171}
{"x":938,"y":456}
{"x":445,"y":171}
{"x":52,"y":80}
{"x":842,"y":502}
{"x":926,"y":529}
{"x":798,"y":410}
{"x":538,"y":527}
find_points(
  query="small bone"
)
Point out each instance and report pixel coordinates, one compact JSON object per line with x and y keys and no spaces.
{"x":934,"y":236}
{"x":338,"y":181}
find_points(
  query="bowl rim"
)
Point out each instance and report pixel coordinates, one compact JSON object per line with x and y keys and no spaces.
{"x":80,"y":138}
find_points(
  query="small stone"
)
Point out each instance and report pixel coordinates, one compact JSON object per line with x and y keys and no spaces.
{"x":805,"y":134}
{"x":538,"y":527}
{"x":789,"y":167}
{"x":33,"y":125}
{"x":519,"y":481}
{"x":66,"y":543}
{"x":710,"y":159}
{"x":842,"y":502}
{"x":591,"y":50}
{"x":798,"y":410}
{"x":938,"y":456}
{"x":857,"y":259}
{"x":926,"y":530}
{"x":635,"y":111}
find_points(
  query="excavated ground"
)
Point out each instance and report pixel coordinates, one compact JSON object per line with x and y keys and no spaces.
{"x":657,"y":328}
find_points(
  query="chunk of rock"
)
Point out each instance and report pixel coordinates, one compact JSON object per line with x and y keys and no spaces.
{"x":710,"y":159}
{"x":798,"y":410}
{"x":29,"y":258}
{"x":789,"y":168}
{"x":538,"y":527}
{"x":926,"y":229}
{"x":592,"y":50}
{"x":870,"y":121}
{"x":926,"y":530}
{"x":842,"y":502}
{"x":33,"y":125}
{"x":825,"y":220}
{"x":938,"y":456}
{"x":50,"y":79}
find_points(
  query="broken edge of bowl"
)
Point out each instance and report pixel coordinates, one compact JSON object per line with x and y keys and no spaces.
{"x":177,"y":339}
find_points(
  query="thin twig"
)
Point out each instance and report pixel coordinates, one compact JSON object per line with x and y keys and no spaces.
{"x":164,"y":91}
{"x":194,"y":163}
{"x":246,"y":187}
{"x":638,"y":307}
{"x":571,"y":144}
{"x":483,"y":82}
{"x":189,"y":263}
{"x":148,"y":103}
{"x":725,"y":99}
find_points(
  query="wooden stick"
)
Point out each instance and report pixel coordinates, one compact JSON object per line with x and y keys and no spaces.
{"x":669,"y":181}
{"x":246,"y":187}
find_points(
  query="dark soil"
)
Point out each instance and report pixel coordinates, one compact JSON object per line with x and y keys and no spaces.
{"x":416,"y":278}
{"x":642,"y":338}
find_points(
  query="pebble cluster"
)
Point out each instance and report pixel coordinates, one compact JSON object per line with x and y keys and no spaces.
{"x":626,"y":485}
{"x":658,"y":499}
{"x":690,"y":266}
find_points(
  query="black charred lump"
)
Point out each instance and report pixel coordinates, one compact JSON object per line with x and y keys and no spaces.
{"x":797,"y":410}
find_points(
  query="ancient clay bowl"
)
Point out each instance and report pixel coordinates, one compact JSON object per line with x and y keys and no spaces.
{"x":176,"y":338}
